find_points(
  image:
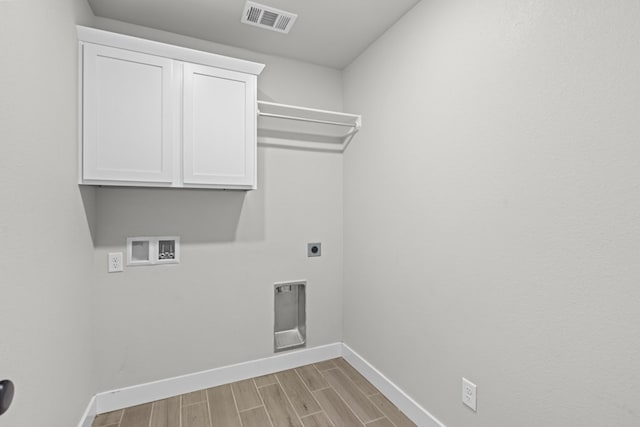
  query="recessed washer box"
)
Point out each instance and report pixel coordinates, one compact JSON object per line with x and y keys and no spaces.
{"x":153,"y":250}
{"x":168,"y":250}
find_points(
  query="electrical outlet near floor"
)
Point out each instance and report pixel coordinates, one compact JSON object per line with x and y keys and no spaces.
{"x":115,"y":262}
{"x":469,"y":393}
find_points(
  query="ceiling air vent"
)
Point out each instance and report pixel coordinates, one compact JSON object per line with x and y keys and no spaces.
{"x":268,"y":18}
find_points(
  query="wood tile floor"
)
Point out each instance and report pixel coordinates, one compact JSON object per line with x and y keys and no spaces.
{"x":325,"y":394}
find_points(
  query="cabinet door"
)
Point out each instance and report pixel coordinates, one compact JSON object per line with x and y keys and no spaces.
{"x":219,"y":128}
{"x":127,"y":116}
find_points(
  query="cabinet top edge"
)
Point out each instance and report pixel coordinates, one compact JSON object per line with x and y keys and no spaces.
{"x":107,"y":38}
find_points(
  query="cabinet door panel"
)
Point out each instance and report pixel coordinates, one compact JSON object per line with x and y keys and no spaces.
{"x":127,"y":116}
{"x":219,"y":127}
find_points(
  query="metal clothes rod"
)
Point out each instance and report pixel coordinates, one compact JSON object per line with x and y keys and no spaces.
{"x":312,"y":110}
{"x":310,"y":115}
{"x":302,"y":119}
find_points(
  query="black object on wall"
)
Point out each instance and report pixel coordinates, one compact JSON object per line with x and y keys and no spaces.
{"x":6,"y":395}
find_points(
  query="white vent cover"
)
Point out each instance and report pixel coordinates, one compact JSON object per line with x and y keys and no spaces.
{"x":268,"y":18}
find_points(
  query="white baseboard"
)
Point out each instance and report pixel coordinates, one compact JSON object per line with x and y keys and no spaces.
{"x":404,"y":402}
{"x":157,"y":390}
{"x":89,"y":414}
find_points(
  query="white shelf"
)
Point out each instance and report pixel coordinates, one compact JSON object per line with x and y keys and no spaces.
{"x":305,"y":128}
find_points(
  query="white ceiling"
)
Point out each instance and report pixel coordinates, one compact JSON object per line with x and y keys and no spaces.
{"x":327,"y":32}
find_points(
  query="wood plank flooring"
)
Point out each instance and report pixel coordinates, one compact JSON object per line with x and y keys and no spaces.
{"x":326,"y":394}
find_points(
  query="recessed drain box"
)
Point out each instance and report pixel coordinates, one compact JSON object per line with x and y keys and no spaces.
{"x":290,"y":325}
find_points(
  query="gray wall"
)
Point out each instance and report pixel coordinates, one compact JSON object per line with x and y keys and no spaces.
{"x":491,"y":210}
{"x":46,"y":253}
{"x":216,"y":307}
{"x":491,"y":226}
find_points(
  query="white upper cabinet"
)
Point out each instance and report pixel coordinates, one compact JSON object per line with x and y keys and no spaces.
{"x":219,"y":126}
{"x":163,"y":116}
{"x":127,"y":116}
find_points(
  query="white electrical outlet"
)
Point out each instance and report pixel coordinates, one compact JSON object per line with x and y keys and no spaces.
{"x":469,"y":393}
{"x":115,"y":262}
